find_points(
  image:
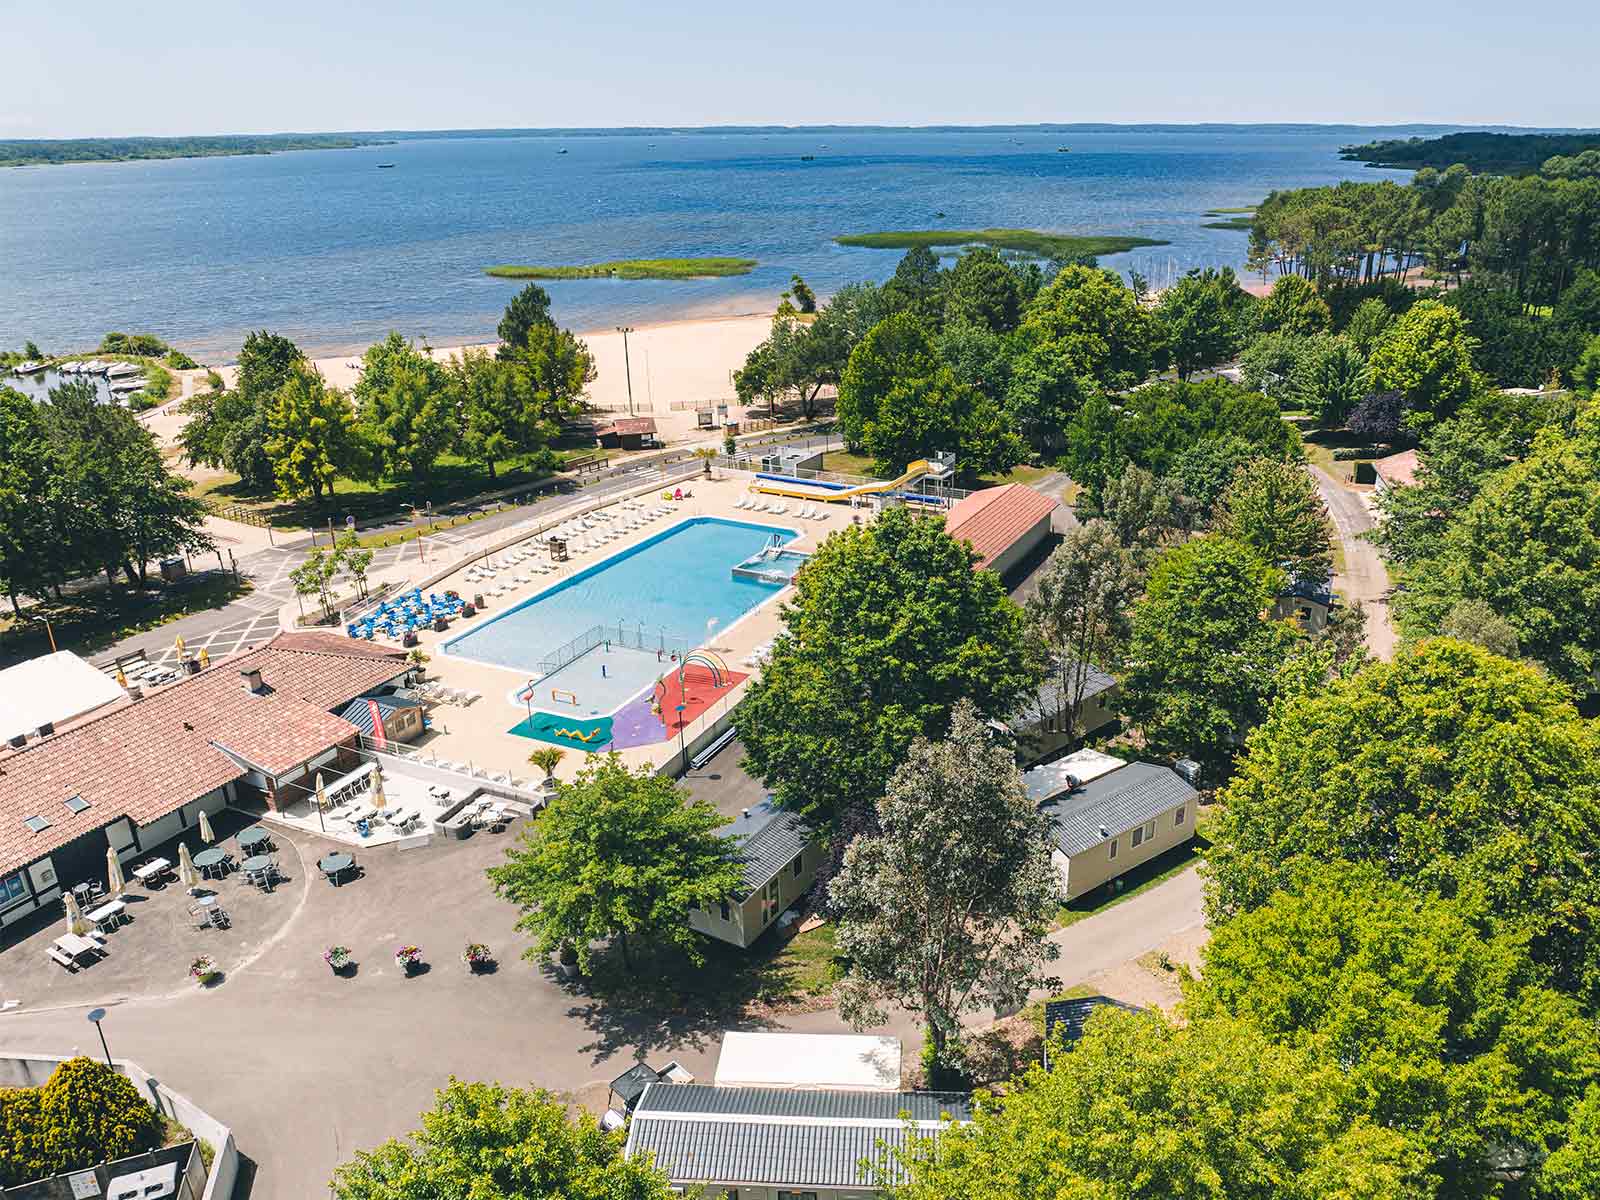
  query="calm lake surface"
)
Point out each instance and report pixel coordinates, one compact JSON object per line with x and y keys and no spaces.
{"x":328,"y":249}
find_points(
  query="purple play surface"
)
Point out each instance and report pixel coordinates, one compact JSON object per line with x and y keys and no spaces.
{"x":635,"y":725}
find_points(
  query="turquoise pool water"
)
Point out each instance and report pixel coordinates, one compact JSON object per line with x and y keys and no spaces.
{"x":671,"y":584}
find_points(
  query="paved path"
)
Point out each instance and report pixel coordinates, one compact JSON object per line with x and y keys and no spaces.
{"x":1364,"y":577}
{"x":308,"y":1068}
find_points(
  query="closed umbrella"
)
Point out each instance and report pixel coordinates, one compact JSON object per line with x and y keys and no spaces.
{"x":322,"y":796}
{"x":206,"y":835}
{"x":76,"y":922}
{"x":377,"y":789}
{"x":115,"y":883}
{"x":186,"y":871}
{"x":177,"y":644}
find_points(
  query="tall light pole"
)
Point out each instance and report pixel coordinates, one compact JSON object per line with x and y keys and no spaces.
{"x":627,"y":367}
{"x":96,"y":1015}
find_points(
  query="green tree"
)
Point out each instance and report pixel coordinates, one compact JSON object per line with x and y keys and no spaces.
{"x":1094,"y":453}
{"x":981,"y":289}
{"x":890,"y":625}
{"x":617,"y":854}
{"x":1367,"y":325}
{"x":1474,"y":621}
{"x":945,"y":909}
{"x":1199,"y":318}
{"x":1045,"y":393}
{"x":1270,"y":364}
{"x":311,"y":438}
{"x":805,"y":300}
{"x":354,"y":559}
{"x":1142,"y":1108}
{"x":490,"y":408}
{"x":917,"y":286}
{"x":1426,"y":356}
{"x":227,"y":427}
{"x":1329,"y":379}
{"x":483,"y":1141}
{"x":1145,"y":514}
{"x":1107,"y":335}
{"x":28,"y":527}
{"x":405,"y":407}
{"x":555,"y":369}
{"x":1202,"y":661}
{"x":798,"y":358}
{"x":1293,"y":306}
{"x":84,"y":1115}
{"x":1079,"y":613}
{"x":1441,"y":1023}
{"x":1586,"y":374}
{"x":1275,"y":508}
{"x":528,"y":308}
{"x":1204,"y":470}
{"x":1573,"y":1171}
{"x":1449,"y":769}
{"x":314,"y":577}
{"x":1528,"y":545}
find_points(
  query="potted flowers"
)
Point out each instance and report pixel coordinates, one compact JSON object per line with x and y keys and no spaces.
{"x":408,"y":959}
{"x":477,"y":957}
{"x":203,"y":970}
{"x":338,"y":958}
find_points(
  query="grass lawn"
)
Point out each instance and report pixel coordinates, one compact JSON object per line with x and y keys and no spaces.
{"x":453,"y":479}
{"x":846,"y":463}
{"x":1149,"y":874}
{"x":91,"y":621}
{"x":1026,"y":473}
{"x":632,"y":268}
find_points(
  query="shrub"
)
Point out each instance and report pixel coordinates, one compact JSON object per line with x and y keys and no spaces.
{"x":1351,"y":453}
{"x":85,"y":1114}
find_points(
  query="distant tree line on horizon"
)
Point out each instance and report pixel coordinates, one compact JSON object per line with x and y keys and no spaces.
{"x":1480,"y":152}
{"x":35,"y":152}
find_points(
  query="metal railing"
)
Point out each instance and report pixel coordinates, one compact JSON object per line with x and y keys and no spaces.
{"x":617,"y":634}
{"x":924,"y":489}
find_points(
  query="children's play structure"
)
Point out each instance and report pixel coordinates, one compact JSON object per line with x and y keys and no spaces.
{"x":836,"y":493}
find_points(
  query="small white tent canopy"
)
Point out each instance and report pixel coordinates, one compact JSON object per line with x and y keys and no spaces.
{"x":809,"y":1060}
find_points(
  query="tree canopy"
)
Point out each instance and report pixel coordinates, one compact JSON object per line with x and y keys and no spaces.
{"x":889,"y":627}
{"x":617,"y":854}
{"x":484,"y":1141}
{"x":1274,"y":507}
{"x":1448,"y":768}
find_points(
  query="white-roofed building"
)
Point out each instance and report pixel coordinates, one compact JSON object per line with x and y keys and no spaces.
{"x":855,"y":1062}
{"x":38,"y":695}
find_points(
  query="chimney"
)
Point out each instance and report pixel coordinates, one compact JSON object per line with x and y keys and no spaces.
{"x":1104,"y":832}
{"x":252,"y":680}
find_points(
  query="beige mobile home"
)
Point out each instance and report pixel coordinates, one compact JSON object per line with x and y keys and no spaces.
{"x":780,"y":855}
{"x":1107,"y":816}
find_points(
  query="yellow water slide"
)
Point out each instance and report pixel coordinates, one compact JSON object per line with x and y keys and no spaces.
{"x":799,"y":489}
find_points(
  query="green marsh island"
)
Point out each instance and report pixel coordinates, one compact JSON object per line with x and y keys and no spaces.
{"x":632,"y":268}
{"x":1027,"y":241}
{"x":1231,"y":218}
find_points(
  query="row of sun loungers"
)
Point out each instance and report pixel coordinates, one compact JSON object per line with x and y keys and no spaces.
{"x":778,"y":508}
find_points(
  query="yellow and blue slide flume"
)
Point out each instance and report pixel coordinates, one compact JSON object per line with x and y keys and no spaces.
{"x":806,"y":489}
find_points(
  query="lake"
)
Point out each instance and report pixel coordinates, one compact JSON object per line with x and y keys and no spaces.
{"x":328,"y":249}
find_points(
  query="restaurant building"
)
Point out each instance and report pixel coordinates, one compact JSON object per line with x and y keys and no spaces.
{"x":136,"y":774}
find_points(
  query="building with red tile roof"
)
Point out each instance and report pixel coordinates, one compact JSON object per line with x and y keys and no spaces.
{"x":1002,"y":524}
{"x":138,"y":773}
{"x":1398,"y":470}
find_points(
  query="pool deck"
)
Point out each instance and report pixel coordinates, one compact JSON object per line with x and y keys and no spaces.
{"x":480,"y":732}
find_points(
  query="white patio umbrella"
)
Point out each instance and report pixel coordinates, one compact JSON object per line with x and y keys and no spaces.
{"x":115,"y":883}
{"x":206,"y":835}
{"x":76,"y":922}
{"x":186,"y":871}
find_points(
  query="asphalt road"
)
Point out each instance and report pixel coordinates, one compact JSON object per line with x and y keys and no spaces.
{"x":1364,"y":578}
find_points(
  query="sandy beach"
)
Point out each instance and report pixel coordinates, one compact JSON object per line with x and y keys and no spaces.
{"x":675,"y":365}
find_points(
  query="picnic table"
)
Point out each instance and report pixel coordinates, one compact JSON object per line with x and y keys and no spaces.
{"x":113,"y":914}
{"x":335,"y":865}
{"x":253,"y":836}
{"x":154,"y":869}
{"x":75,"y":945}
{"x":213,"y":859}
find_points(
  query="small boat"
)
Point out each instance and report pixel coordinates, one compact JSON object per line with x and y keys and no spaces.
{"x":808,"y":158}
{"x":122,"y":370}
{"x":385,"y":166}
{"x":29,"y":368}
{"x":939,"y":215}
{"x":1063,"y":149}
{"x":563,"y":150}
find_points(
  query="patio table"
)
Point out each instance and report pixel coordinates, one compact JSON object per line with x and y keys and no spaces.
{"x":114,"y":913}
{"x":253,"y":836}
{"x":74,"y":946}
{"x":335,"y":865}
{"x":153,"y":869}
{"x":256,"y":863}
{"x":213,"y":859}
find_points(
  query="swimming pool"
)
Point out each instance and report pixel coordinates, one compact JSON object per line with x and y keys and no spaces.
{"x":668,"y":586}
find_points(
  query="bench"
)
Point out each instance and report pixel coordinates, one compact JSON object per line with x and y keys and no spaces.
{"x":64,"y":959}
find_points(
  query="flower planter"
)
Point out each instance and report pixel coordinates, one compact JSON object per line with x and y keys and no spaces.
{"x":203,"y":970}
{"x":477,"y":958}
{"x":339,"y":959}
{"x":408,"y":959}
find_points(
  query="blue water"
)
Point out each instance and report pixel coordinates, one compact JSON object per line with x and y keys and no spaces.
{"x":668,"y":586}
{"x":322,"y":246}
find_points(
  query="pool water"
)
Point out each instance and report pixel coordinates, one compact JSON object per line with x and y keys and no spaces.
{"x":671,"y":584}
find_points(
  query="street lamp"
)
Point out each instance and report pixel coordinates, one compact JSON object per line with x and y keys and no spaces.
{"x":97,"y":1015}
{"x":627,"y":367}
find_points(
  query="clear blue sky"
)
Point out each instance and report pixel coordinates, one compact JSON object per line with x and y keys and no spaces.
{"x":86,"y":67}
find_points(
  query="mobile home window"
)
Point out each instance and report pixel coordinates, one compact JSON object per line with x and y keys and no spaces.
{"x":795,"y":866}
{"x":1138,"y":837}
{"x":1149,"y":829}
{"x":726,"y":912}
{"x":1177,"y":817}
{"x":1114,"y":847}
